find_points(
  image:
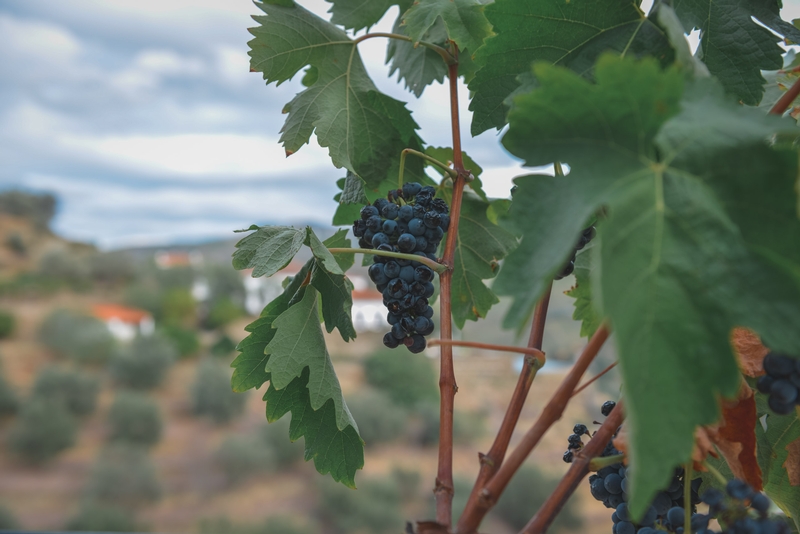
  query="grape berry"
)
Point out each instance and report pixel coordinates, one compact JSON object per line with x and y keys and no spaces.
{"x":781,"y":382}
{"x":586,"y":236}
{"x":410,"y":220}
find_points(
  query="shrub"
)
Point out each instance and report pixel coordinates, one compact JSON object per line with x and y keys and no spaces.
{"x":379,"y":420}
{"x":41,"y":431}
{"x":525,"y":494}
{"x":36,"y":207}
{"x":7,"y":519}
{"x":185,"y":339}
{"x":75,"y":391}
{"x":212,"y":395}
{"x":467,"y":426}
{"x":241,"y":457}
{"x":225,"y":282}
{"x":112,"y":267}
{"x":408,"y":380}
{"x":223,"y":347}
{"x":123,"y":475}
{"x":374,"y":508}
{"x":178,"y":307}
{"x":407,"y":481}
{"x":16,"y":244}
{"x":64,"y":266}
{"x":143,"y":364}
{"x":222,"y":312}
{"x":103,"y":518}
{"x":84,"y":339}
{"x":135,"y":419}
{"x":7,"y":324}
{"x":275,"y":436}
{"x":9,"y":402}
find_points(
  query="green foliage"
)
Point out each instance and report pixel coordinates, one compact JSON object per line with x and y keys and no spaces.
{"x":274,"y":437}
{"x":223,"y":311}
{"x":572,"y":34}
{"x":242,"y":457}
{"x":7,"y":519}
{"x":379,"y":420}
{"x":185,"y":340}
{"x":123,"y":475}
{"x":223,"y":347}
{"x":38,"y":208}
{"x":408,"y":379}
{"x":134,"y":418}
{"x":81,"y":338}
{"x":373,"y":508}
{"x":9,"y":400}
{"x":684,"y":256}
{"x":525,"y":494}
{"x":268,"y":250}
{"x":363,"y":129}
{"x":65,"y":266}
{"x":224,"y":283}
{"x":178,"y":307}
{"x":467,"y":426}
{"x":94,"y":517}
{"x":112,"y":268}
{"x":41,"y":430}
{"x":585,"y":309}
{"x":73,"y":390}
{"x":212,"y":395}
{"x":143,"y":363}
{"x":463,"y":20}
{"x":16,"y":244}
{"x":7,"y":324}
{"x":733,"y":46}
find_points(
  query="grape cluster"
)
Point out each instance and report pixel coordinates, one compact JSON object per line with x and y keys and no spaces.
{"x":586,"y":236}
{"x":410,"y":220}
{"x":746,"y":513}
{"x":610,"y":486}
{"x":781,"y":382}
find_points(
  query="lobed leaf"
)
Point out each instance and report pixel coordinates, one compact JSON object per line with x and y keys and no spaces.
{"x":679,"y":265}
{"x":359,"y":14}
{"x":268,"y":250}
{"x":417,"y":66}
{"x":463,"y":20}
{"x":777,"y":438}
{"x":585,"y":306}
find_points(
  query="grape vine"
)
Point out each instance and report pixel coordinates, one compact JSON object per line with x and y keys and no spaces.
{"x":678,"y":219}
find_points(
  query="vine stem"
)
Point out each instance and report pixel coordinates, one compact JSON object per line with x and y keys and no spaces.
{"x":472,"y":516}
{"x":491,"y":461}
{"x":437,"y":267}
{"x":446,"y":56}
{"x":489,"y":346}
{"x":579,"y":469}
{"x":786,"y":100}
{"x":713,"y":470}
{"x":443,"y":490}
{"x":594,"y":379}
{"x":433,"y":161}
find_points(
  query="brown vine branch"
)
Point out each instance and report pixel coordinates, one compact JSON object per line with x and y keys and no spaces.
{"x":491,"y":461}
{"x":472,"y":516}
{"x":443,"y":491}
{"x":786,"y":100}
{"x":490,"y":346}
{"x":594,"y":379}
{"x":579,"y":469}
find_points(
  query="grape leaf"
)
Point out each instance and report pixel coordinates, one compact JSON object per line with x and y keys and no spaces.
{"x":250,"y":366}
{"x":734,"y":47}
{"x":321,"y":253}
{"x":363,"y":129}
{"x":736,"y":437}
{"x":353,"y":190}
{"x":479,"y":247}
{"x":339,"y":240}
{"x":418,"y":66}
{"x":268,"y":250}
{"x":572,"y":34}
{"x":773,"y":446}
{"x":585,"y":308}
{"x":298,"y":343}
{"x":359,"y":14}
{"x":677,"y":269}
{"x":338,"y":451}
{"x":463,"y":19}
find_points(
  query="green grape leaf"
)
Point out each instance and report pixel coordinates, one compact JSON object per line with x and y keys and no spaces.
{"x":773,"y":446}
{"x":299,"y":343}
{"x":339,"y":240}
{"x":572,"y":34}
{"x":734,"y":47}
{"x":338,"y":451}
{"x":585,"y":308}
{"x":363,"y":129}
{"x":336,"y":292}
{"x":417,"y":66}
{"x":463,"y":19}
{"x":353,"y":191}
{"x":481,"y":244}
{"x":268,"y":250}
{"x":360,"y":14}
{"x":677,"y":268}
{"x":321,"y":253}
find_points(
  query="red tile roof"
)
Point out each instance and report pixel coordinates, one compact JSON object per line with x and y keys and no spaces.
{"x":125,"y":314}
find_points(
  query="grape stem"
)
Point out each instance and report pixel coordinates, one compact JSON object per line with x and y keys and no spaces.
{"x":594,"y":379}
{"x":491,"y":461}
{"x":433,"y":161}
{"x":540,"y":356}
{"x":446,"y":56}
{"x":786,"y":100}
{"x":438,"y":267}
{"x":579,"y":469}
{"x":473,"y":514}
{"x":600,"y":462}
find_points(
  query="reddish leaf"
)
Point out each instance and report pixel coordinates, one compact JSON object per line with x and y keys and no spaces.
{"x":736,"y":437}
{"x":749,"y":351}
{"x":792,"y":463}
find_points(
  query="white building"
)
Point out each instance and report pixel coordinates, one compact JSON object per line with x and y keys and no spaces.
{"x":123,"y":322}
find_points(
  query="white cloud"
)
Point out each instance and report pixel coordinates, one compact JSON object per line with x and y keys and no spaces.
{"x":37,"y":41}
{"x":201,"y":154}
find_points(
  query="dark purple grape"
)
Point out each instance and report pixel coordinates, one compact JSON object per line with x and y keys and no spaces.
{"x":764,"y":384}
{"x":607,"y":407}
{"x":580,"y":429}
{"x":613,"y":483}
{"x":389,"y":211}
{"x":783,"y":391}
{"x":359,"y":227}
{"x":367,"y":212}
{"x":676,"y":516}
{"x":622,"y":512}
{"x":405,"y":213}
{"x":444,"y":222}
{"x":374,"y":224}
{"x":428,"y":313}
{"x":390,"y":227}
{"x":416,"y":227}
{"x":407,"y":274}
{"x":422,"y":243}
{"x":377,"y":274}
{"x":415,"y":343}
{"x":568,"y":456}
{"x":417,"y":289}
{"x":778,"y":365}
{"x":392,"y":269}
{"x":406,"y":243}
{"x":423,"y":274}
{"x":432,"y":219}
{"x":780,"y":408}
{"x":398,"y":332}
{"x":423,"y":325}
{"x":410,"y":189}
{"x":434,"y":234}
{"x":390,"y":341}
{"x":398,"y":288}
{"x":439,"y":205}
{"x":739,"y":489}
{"x":380,"y":239}
{"x":599,"y":490}
{"x":393,"y":318}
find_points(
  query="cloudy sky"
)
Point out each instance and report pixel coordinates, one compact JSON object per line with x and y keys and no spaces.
{"x":143,"y":117}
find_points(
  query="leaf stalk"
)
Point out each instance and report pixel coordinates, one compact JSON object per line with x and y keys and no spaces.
{"x":437,"y":267}
{"x":446,"y":56}
{"x":433,"y":161}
